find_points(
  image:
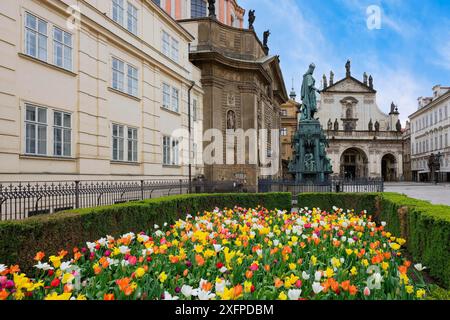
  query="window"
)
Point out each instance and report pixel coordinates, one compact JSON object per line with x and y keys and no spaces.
{"x":175,"y":100}
{"x":118,"y":142}
{"x":166,"y":96}
{"x":62,"y":134}
{"x":35,"y":37}
{"x":170,"y":151}
{"x":170,"y":98}
{"x":284,"y":131}
{"x":118,"y":74}
{"x":194,"y":110}
{"x":118,"y":77}
{"x":170,"y":46}
{"x":119,"y":15}
{"x":118,"y":10}
{"x":62,"y":49}
{"x":174,"y":52}
{"x":132,"y":18}
{"x":166,"y":43}
{"x":132,"y":144}
{"x":132,"y":81}
{"x":198,"y":8}
{"x":284,"y":112}
{"x":446,"y":140}
{"x":446,"y":112}
{"x":36,"y":130}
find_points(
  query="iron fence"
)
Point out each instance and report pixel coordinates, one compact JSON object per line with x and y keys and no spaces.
{"x":330,"y":185}
{"x":20,"y":200}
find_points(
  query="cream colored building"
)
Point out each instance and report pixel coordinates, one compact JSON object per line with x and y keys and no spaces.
{"x":364,"y":142}
{"x":95,"y":97}
{"x":430,"y":133}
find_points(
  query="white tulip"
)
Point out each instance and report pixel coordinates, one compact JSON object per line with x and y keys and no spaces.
{"x":294,"y":294}
{"x":419,"y":267}
{"x":317,"y":287}
{"x":305,"y":276}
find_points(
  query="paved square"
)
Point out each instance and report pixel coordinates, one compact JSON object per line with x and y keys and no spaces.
{"x":437,"y":194}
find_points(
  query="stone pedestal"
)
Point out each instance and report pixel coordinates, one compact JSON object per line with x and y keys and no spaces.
{"x":310,"y":162}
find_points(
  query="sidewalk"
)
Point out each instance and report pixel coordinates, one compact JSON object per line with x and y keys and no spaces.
{"x":437,"y":194}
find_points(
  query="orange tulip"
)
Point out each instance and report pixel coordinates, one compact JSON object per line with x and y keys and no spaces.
{"x":353,"y":290}
{"x":108,"y":296}
{"x":278,"y":283}
{"x":185,"y":272}
{"x":62,"y":253}
{"x":14,"y":269}
{"x":39,"y":256}
{"x":248,"y":274}
{"x":345,"y":285}
{"x":407,"y":263}
{"x":402,"y":269}
{"x":77,"y":256}
{"x":3,"y":294}
{"x":267,"y":268}
{"x":199,"y":259}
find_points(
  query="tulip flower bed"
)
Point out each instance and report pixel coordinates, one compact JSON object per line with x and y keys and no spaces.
{"x":231,"y":254}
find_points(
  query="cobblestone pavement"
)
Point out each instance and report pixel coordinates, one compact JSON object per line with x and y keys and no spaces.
{"x":437,"y":194}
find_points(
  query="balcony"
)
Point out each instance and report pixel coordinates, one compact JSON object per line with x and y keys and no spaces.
{"x":364,"y":135}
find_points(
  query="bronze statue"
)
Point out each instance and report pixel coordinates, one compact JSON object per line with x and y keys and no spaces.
{"x":251,"y":19}
{"x":377,"y":126}
{"x":212,"y":8}
{"x":336,"y":125}
{"x":348,"y":68}
{"x":308,"y":94}
{"x":365,"y":78}
{"x":392,"y":107}
{"x":370,"y":125}
{"x":370,"y":82}
{"x":330,"y":125}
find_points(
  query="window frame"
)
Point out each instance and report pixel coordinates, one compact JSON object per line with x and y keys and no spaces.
{"x":130,"y":82}
{"x":63,"y":46}
{"x":36,"y":126}
{"x":37,"y":33}
{"x":65,"y":131}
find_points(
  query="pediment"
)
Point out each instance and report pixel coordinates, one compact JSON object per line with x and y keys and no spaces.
{"x":349,"y":84}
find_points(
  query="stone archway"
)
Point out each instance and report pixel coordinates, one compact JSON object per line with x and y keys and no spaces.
{"x":354,"y":164}
{"x":389,"y":167}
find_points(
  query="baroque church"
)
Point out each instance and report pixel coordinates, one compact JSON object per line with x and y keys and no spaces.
{"x":364,"y":142}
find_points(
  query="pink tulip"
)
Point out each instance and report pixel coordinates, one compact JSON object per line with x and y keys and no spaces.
{"x":366,"y":291}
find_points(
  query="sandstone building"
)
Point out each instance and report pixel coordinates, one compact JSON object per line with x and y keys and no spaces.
{"x":289,"y":125}
{"x":98,"y":97}
{"x":243,"y":89}
{"x":363,"y":141}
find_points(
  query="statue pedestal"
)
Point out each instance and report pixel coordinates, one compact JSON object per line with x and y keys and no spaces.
{"x":310,"y":162}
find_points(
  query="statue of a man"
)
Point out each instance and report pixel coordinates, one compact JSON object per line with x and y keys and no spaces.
{"x":212,"y":8}
{"x":348,"y":68}
{"x":308,"y":93}
{"x":325,"y":84}
{"x":330,"y":125}
{"x":365,"y":78}
{"x":370,"y":125}
{"x":377,"y":126}
{"x":251,"y":19}
{"x":398,"y":126}
{"x":331,"y":78}
{"x":336,"y":125}
{"x":266,"y":35}
{"x":370,"y":82}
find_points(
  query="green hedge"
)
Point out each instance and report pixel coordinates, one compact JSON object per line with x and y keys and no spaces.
{"x":20,"y":240}
{"x":425,"y":226}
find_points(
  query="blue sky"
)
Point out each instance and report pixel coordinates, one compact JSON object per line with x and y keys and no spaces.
{"x":406,"y":57}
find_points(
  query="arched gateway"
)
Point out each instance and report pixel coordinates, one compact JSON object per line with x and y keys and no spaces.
{"x":389,"y":167}
{"x":354,"y":164}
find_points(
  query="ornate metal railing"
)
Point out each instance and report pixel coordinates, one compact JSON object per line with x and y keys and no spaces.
{"x":331,"y":185}
{"x":20,"y":200}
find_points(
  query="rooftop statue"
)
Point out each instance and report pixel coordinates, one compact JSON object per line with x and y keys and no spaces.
{"x":251,"y":19}
{"x":348,"y":68}
{"x":308,"y":94}
{"x":266,"y":37}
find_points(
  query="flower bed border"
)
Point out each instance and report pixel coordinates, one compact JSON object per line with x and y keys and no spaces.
{"x":425,"y":226}
{"x":20,"y":240}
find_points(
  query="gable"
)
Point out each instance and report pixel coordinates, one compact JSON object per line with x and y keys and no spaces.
{"x":350,"y":85}
{"x":273,"y":69}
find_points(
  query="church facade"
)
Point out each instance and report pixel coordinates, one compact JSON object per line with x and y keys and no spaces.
{"x":364,"y":142}
{"x":243,"y":89}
